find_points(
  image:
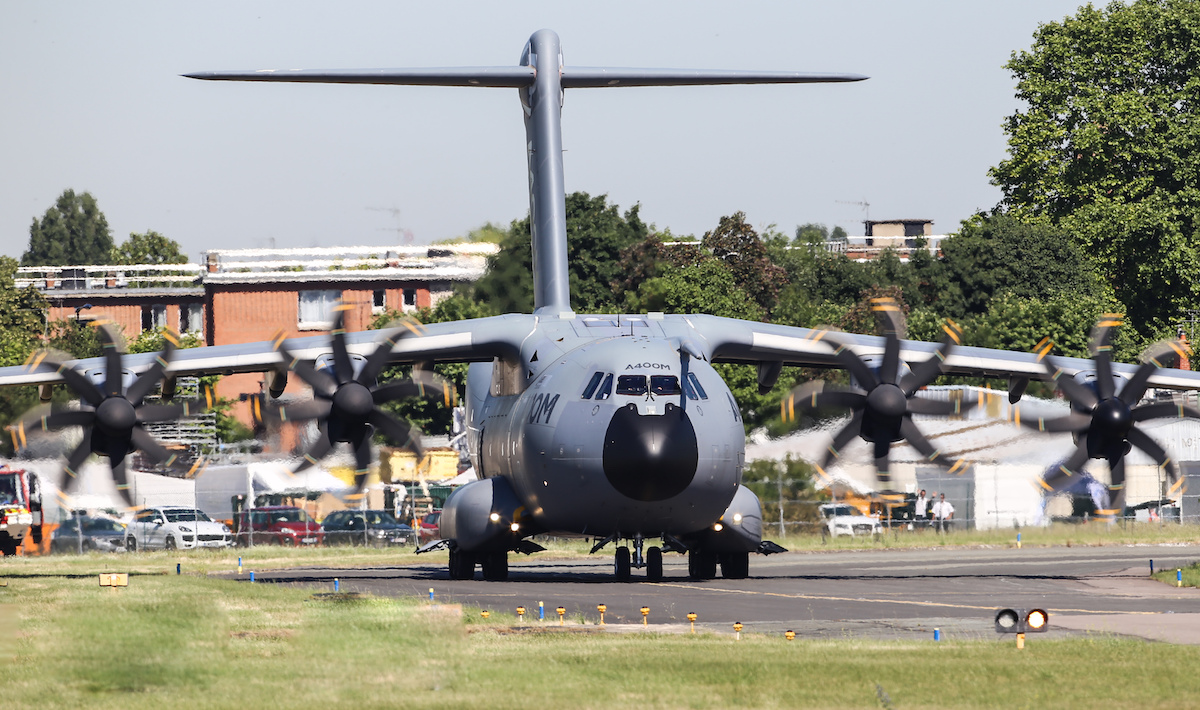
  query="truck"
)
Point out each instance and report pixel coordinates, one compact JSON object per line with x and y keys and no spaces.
{"x":20,"y":509}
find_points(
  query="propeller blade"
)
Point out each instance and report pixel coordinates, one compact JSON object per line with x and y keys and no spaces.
{"x":1164,"y":410}
{"x":1142,"y":440}
{"x":883,"y":463}
{"x":931,"y":369}
{"x":1101,"y":346}
{"x":913,"y":435}
{"x":1071,"y":467}
{"x":60,"y":420}
{"x":1077,"y":393}
{"x":362,"y":460}
{"x":118,"y":474}
{"x":853,"y":363}
{"x":398,"y":431}
{"x":1116,"y":490}
{"x":322,"y":385}
{"x":1072,"y":422}
{"x":301,"y":411}
{"x":161,"y":412}
{"x":318,"y":450}
{"x":147,"y":445}
{"x":891,"y":358}
{"x":342,"y":366}
{"x":150,"y":378}
{"x":844,"y":436}
{"x":421,"y":384}
{"x":75,"y":380}
{"x":112,"y":358}
{"x":79,"y":455}
{"x":383,"y":352}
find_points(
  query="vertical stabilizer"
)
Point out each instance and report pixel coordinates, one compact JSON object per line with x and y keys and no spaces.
{"x":541,"y":79}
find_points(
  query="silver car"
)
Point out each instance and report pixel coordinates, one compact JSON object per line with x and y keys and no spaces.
{"x":175,"y":527}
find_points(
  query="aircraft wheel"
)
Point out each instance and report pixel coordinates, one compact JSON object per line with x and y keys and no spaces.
{"x":495,"y":566}
{"x":131,"y":544}
{"x":702,"y":565}
{"x":169,"y":543}
{"x":654,"y":562}
{"x":622,"y":565}
{"x":462,"y":564}
{"x":36,"y":532}
{"x":735,"y":565}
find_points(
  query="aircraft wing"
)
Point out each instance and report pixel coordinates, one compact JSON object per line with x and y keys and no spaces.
{"x":732,"y":340}
{"x":460,"y":341}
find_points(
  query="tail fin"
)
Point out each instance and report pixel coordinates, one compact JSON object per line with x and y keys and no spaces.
{"x":541,"y":79}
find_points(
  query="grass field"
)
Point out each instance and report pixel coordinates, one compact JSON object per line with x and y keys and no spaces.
{"x":200,"y":641}
{"x":170,"y":640}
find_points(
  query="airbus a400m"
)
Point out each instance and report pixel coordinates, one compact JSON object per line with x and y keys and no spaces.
{"x":615,"y":427}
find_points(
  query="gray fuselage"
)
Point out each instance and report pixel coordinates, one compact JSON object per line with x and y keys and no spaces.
{"x":615,"y":433}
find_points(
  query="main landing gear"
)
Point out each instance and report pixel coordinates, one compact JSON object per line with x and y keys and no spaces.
{"x":494,"y":564}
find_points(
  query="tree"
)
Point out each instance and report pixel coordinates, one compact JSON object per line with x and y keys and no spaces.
{"x":73,"y":231}
{"x":148,"y":248}
{"x":1108,"y":147}
{"x":743,"y":252}
{"x":596,"y":234}
{"x":996,"y":253}
{"x":22,"y":322}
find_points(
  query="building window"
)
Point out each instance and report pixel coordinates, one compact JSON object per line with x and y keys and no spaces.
{"x":379,"y":301}
{"x":191,"y":318}
{"x":410,"y":298}
{"x":154,"y":317}
{"x":316,"y":309}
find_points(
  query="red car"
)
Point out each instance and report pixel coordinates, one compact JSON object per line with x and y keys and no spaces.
{"x":277,"y":525}
{"x":429,"y":527}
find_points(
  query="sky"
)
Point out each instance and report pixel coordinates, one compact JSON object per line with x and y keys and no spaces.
{"x":93,"y":100}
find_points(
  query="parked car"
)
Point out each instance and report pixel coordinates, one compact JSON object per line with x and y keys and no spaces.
{"x":429,"y":527}
{"x":365,"y":527}
{"x":173,"y":527}
{"x":843,"y":519}
{"x":85,"y":534}
{"x":277,"y":525}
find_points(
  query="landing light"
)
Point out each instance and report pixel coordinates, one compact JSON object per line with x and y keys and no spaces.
{"x":514,"y":527}
{"x":1020,"y":621}
{"x":494,"y":517}
{"x":737,"y":517}
{"x":718,"y":527}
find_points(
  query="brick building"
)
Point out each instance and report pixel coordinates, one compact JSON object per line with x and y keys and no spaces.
{"x":249,"y":295}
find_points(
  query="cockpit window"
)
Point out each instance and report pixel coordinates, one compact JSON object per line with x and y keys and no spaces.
{"x":692,"y":388}
{"x":664,"y":384}
{"x":592,"y":385}
{"x":606,"y":388}
{"x":631,"y":384}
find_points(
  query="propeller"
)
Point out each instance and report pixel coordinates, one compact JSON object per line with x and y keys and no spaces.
{"x":1104,"y":417}
{"x":111,"y":414}
{"x":884,"y":400}
{"x":346,"y":406}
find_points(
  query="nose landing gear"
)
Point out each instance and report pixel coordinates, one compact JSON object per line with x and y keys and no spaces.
{"x":625,"y":560}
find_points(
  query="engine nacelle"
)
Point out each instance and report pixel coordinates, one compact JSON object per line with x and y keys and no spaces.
{"x":484,"y":516}
{"x":740,"y":527}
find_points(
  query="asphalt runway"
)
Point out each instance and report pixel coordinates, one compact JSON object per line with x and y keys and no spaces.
{"x":888,"y":594}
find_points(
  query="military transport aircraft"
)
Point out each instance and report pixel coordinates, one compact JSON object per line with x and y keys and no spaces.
{"x":611,"y":426}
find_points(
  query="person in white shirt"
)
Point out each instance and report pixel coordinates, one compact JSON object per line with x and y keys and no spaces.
{"x":943,"y":511}
{"x":919,"y":507}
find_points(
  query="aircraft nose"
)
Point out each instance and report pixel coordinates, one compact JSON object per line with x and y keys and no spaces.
{"x":650,"y":458}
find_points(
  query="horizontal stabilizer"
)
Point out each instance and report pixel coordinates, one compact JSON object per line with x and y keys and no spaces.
{"x":598,"y":77}
{"x":506,"y":77}
{"x":520,"y":76}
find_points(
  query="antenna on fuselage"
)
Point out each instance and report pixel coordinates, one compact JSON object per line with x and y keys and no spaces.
{"x":541,"y":79}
